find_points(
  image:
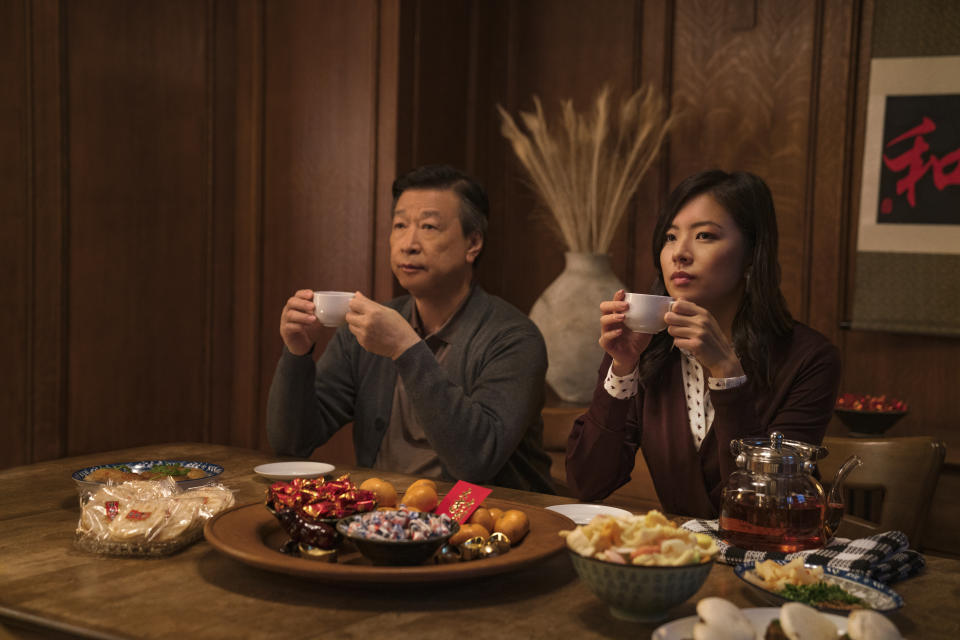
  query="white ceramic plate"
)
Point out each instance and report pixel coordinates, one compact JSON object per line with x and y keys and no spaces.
{"x":583,"y":513}
{"x":291,"y":470}
{"x":760,"y":618}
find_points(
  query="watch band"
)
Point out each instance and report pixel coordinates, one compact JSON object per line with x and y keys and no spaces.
{"x":719,"y":384}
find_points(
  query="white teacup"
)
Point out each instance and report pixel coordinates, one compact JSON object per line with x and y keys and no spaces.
{"x":646,"y":312}
{"x":331,"y":306}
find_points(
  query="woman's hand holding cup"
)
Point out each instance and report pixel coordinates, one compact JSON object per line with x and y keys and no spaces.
{"x":694,"y":329}
{"x":623,"y":345}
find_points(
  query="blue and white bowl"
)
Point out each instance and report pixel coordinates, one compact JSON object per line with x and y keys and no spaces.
{"x":640,"y":593}
{"x":212,"y":471}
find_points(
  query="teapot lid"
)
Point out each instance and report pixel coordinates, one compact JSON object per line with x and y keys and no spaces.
{"x":774,"y":454}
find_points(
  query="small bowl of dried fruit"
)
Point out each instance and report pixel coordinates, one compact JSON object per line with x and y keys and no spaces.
{"x":868,"y":415}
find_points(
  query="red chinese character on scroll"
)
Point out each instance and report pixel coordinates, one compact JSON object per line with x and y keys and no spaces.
{"x":912,"y":161}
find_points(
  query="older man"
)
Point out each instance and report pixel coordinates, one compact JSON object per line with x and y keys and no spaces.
{"x":445,"y":382}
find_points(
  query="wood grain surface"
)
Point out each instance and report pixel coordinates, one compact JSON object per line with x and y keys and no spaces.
{"x":52,"y":589}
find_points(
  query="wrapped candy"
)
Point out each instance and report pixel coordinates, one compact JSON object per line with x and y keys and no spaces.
{"x":500,"y":541}
{"x":470,"y":550}
{"x":402,"y":524}
{"x":449,"y":554}
{"x":308,"y":509}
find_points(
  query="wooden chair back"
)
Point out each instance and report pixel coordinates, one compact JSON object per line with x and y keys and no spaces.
{"x":638,"y":494}
{"x":557,"y":422}
{"x":892,"y":489}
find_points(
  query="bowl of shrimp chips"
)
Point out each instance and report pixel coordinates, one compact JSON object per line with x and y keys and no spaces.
{"x":640,"y":565}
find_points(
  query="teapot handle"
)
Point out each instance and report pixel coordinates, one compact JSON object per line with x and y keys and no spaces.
{"x":851,"y":463}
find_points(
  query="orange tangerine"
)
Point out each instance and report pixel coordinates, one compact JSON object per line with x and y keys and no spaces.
{"x":424,"y":481}
{"x":420,"y":498}
{"x":514,"y":524}
{"x":482,"y":517}
{"x":468,"y":531}
{"x":385,"y":494}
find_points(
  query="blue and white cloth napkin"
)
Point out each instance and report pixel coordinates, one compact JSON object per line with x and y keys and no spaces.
{"x":885,"y":557}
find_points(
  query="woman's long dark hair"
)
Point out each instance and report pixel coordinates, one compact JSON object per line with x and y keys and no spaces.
{"x":762,"y":317}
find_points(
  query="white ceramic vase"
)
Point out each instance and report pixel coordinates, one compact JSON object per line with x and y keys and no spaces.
{"x":568,"y":315}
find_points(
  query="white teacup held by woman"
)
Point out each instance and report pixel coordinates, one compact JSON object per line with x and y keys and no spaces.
{"x":646,"y":312}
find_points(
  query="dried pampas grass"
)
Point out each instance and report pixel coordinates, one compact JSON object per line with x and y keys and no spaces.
{"x":587,"y":171}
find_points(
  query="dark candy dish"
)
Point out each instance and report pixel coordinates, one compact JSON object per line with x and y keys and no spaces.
{"x":394,"y":552}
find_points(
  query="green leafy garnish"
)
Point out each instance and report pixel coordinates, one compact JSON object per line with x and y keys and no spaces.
{"x":819,"y":593}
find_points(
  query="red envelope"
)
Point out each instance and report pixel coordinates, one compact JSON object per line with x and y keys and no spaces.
{"x":462,"y":500}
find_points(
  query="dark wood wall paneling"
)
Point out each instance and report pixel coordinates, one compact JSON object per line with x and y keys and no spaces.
{"x":656,"y":41}
{"x":387,"y":155}
{"x":16,"y":278}
{"x":49,"y":241}
{"x":167,"y":188}
{"x":829,"y":163}
{"x":435,"y":84}
{"x":237,"y":253}
{"x":140,"y":221}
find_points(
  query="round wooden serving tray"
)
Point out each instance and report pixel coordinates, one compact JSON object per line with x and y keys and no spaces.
{"x":250,"y":534}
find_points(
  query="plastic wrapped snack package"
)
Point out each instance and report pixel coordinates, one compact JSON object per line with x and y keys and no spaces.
{"x":147,"y":517}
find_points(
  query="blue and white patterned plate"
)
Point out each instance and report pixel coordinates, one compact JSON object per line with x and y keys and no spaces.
{"x":876,"y":595}
{"x":212,"y":470}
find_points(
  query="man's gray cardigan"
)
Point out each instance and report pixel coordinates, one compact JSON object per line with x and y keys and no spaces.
{"x":479,"y":408}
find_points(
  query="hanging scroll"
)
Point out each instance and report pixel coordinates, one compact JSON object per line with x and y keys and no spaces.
{"x":907,"y":276}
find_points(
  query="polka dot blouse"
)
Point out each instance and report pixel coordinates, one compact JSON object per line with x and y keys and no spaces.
{"x":696,"y":390}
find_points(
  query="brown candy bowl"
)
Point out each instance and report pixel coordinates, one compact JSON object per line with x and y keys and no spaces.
{"x":637,"y":592}
{"x":381,"y":551}
{"x":321,"y":533}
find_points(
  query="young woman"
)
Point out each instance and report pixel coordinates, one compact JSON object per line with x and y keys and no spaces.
{"x":732,"y":363}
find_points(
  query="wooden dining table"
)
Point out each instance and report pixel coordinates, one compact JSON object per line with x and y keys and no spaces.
{"x":50,"y":588}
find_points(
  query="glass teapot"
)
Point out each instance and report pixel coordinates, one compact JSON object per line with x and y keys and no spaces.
{"x":772,"y":502}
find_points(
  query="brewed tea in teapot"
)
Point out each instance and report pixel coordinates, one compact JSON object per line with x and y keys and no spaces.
{"x":773,"y":502}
